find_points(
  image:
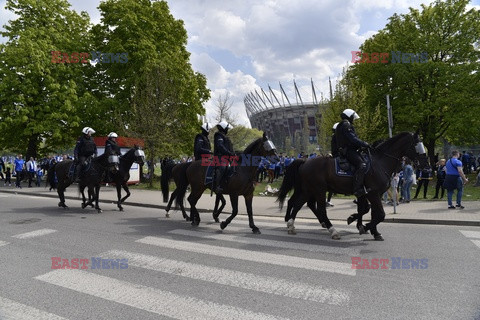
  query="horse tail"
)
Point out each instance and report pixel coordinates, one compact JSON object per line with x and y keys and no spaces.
{"x":289,"y":180}
{"x":165,"y":179}
{"x":51,"y":175}
{"x":182,"y":183}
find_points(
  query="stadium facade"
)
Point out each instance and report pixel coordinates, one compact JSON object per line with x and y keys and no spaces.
{"x":281,"y":117}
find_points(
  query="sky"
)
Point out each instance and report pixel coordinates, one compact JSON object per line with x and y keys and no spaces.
{"x":246,"y":45}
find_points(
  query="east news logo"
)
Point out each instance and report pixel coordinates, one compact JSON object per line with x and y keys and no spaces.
{"x":97,"y":263}
{"x":397,"y":263}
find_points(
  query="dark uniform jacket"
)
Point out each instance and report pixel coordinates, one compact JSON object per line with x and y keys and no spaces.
{"x":222,"y":145}
{"x":201,"y":146}
{"x":334,"y":146}
{"x":85,"y":147}
{"x":111,"y":147}
{"x":347,"y":138}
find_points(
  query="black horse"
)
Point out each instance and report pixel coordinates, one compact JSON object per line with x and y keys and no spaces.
{"x":240,"y":183}
{"x":91,"y":178}
{"x":179,"y":174}
{"x":315,"y":177}
{"x":121,"y":176}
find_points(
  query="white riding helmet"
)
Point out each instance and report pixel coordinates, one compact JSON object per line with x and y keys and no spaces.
{"x":206,"y":126}
{"x":112,"y":135}
{"x":88,"y":130}
{"x":349,"y":113}
{"x":225,"y":125}
{"x":335,"y":126}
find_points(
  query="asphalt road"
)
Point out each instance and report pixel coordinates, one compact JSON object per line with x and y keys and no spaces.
{"x":167,"y":269}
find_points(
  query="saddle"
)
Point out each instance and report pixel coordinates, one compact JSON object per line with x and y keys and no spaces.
{"x":209,"y":174}
{"x":85,"y":167}
{"x":344,"y":168}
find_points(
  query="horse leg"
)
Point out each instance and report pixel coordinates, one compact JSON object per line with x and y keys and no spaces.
{"x":84,"y":199}
{"x":296,"y":205}
{"x":378,"y":215}
{"x":194,"y":215}
{"x":322,"y":213}
{"x":61,"y":196}
{"x":234,"y":203}
{"x":312,"y":204}
{"x":215,"y":209}
{"x":248,"y":204}
{"x":224,"y":202}
{"x":169,"y":205}
{"x":119,"y":195}
{"x":96,"y":196}
{"x":362,"y":207}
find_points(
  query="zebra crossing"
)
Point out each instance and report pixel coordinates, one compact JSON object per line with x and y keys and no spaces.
{"x":205,"y":241}
{"x":474,"y":236}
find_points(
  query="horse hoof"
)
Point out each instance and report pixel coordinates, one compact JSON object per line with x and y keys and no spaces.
{"x":120,"y":208}
{"x":187,"y":219}
{"x":195,"y":223}
{"x":378,"y":237}
{"x":362,"y":230}
{"x":216,"y":220}
{"x":99,"y":210}
{"x":336,"y":237}
{"x":324,"y":225}
{"x":350,"y":220}
{"x":83,"y":205}
{"x":167,"y":215}
{"x":223,"y":225}
{"x":290,"y":231}
{"x":256,"y":230}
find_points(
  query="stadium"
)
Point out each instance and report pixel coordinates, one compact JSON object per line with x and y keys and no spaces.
{"x":281,"y":117}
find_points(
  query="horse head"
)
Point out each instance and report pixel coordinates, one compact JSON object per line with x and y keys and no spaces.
{"x":139,"y":155}
{"x":268,"y":148}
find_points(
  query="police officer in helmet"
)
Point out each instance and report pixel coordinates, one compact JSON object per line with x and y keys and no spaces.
{"x":349,"y":145}
{"x":333,"y":145}
{"x":84,"y":148}
{"x":111,"y":148}
{"x":201,"y":144}
{"x":222,"y":146}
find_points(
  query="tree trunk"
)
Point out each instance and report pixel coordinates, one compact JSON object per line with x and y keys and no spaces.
{"x":32,"y":148}
{"x":430,"y":145}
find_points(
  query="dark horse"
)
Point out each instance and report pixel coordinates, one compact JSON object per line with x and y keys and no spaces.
{"x":121,"y":176}
{"x":242,"y":182}
{"x":91,"y":178}
{"x":315,"y":177}
{"x":179,"y":174}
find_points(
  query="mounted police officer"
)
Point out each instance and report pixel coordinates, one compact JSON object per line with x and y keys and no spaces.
{"x":222,"y":146}
{"x":348,"y":145}
{"x":84,"y":149}
{"x":201,"y":145}
{"x":112,"y":148}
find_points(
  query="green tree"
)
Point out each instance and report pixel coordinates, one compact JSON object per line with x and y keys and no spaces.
{"x":38,"y":98}
{"x":440,"y":97}
{"x":242,"y":136}
{"x":155,"y":43}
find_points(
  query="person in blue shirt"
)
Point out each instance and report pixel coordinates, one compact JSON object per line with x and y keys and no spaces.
{"x":407,"y":180}
{"x":19,"y":165}
{"x":454,"y":180}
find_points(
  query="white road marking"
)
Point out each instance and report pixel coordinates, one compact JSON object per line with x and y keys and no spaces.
{"x":471,"y":234}
{"x":269,"y":243}
{"x":476,"y":242}
{"x":254,"y":256}
{"x":233,"y":278}
{"x":11,"y":310}
{"x":325,"y":237}
{"x":33,"y":234}
{"x":3,"y":243}
{"x":146,"y":298}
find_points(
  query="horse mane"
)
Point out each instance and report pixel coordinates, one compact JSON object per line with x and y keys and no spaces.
{"x":382,"y":146}
{"x":252,"y":145}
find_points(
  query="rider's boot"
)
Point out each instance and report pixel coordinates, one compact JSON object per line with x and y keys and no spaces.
{"x":219,"y":179}
{"x":77,"y":173}
{"x":358,"y":187}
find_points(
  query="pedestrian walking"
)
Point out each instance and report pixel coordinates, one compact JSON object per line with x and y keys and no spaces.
{"x":441,"y":172}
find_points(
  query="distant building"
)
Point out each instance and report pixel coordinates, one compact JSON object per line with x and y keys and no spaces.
{"x":283,"y":119}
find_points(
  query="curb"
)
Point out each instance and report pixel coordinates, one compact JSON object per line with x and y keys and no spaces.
{"x":155,"y":206}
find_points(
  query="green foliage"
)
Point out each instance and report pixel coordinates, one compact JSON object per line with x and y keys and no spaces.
{"x":439,"y":97}
{"x":242,"y":136}
{"x":156,"y":45}
{"x":39,"y":98}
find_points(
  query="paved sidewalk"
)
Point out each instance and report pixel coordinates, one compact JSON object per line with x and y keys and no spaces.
{"x":429,"y":212}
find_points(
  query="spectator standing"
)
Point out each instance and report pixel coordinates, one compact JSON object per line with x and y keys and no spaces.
{"x":8,"y":177}
{"x":31,"y":170}
{"x":19,"y":165}
{"x":424,"y":176}
{"x":466,"y":162}
{"x":454,"y":180}
{"x":39,"y":177}
{"x":441,"y":172}
{"x":407,"y":180}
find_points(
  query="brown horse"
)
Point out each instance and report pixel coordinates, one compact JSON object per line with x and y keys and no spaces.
{"x":242,"y":182}
{"x":315,"y":177}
